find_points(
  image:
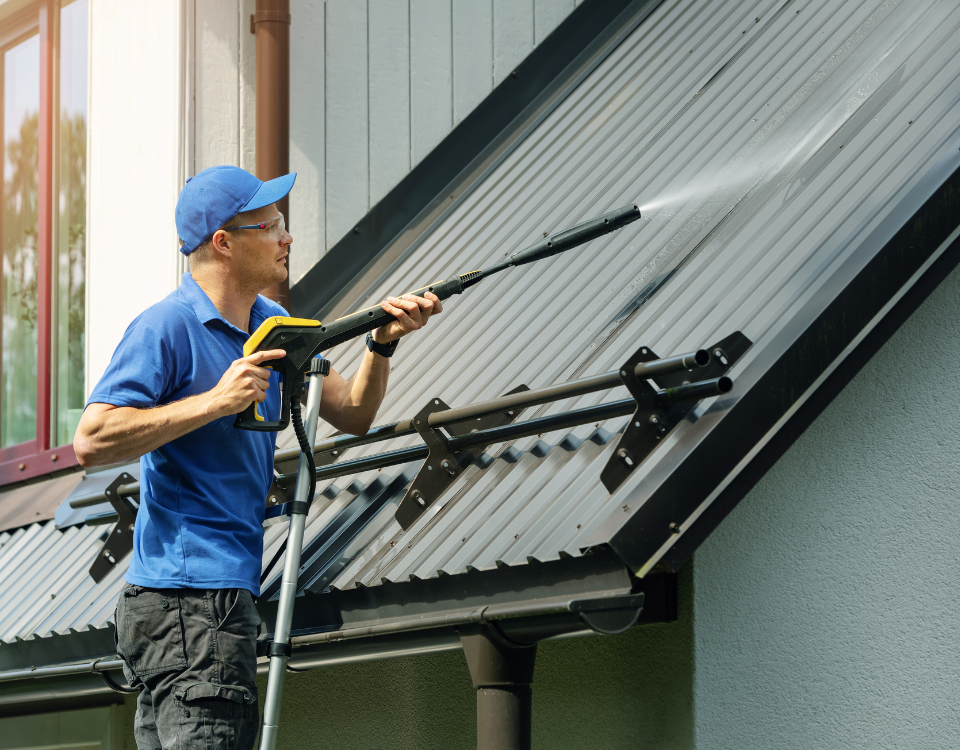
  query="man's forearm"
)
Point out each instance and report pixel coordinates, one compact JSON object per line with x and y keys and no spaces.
{"x":361,"y":396}
{"x":126,"y":433}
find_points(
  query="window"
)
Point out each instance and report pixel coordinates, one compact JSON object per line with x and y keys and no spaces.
{"x":43,"y":70}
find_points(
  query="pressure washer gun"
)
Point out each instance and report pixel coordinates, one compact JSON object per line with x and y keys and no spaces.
{"x":302,"y":340}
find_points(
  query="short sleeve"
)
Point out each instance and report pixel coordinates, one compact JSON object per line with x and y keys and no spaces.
{"x":140,"y":371}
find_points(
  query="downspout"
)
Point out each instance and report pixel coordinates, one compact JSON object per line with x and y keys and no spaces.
{"x":271,"y":24}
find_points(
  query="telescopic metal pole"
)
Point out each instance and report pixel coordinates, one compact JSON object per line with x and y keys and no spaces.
{"x":280,"y":648}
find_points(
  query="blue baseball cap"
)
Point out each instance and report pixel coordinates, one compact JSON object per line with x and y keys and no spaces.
{"x":210,"y":199}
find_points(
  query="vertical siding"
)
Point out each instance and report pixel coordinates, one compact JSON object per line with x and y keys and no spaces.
{"x":308,"y":202}
{"x":512,"y":35}
{"x":347,"y":115}
{"x":472,"y":54}
{"x":431,"y":75}
{"x":388,"y":34}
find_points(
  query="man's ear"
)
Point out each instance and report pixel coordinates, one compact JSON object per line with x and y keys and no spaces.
{"x":221,"y":243}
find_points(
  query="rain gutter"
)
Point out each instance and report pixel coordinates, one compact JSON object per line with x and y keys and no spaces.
{"x":530,"y":623}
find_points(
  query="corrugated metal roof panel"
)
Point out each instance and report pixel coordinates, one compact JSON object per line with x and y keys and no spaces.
{"x":35,"y":502}
{"x":48,"y":589}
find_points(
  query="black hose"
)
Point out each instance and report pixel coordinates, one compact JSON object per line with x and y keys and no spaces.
{"x":306,"y":450}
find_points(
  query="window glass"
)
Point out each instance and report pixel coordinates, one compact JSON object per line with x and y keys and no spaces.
{"x":18,"y":333}
{"x":69,"y":293}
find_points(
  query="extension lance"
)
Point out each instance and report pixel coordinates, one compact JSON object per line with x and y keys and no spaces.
{"x":301,"y":341}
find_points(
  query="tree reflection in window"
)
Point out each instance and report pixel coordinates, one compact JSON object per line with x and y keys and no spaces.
{"x":18,"y":367}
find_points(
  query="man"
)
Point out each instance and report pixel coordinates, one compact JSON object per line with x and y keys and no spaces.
{"x":186,"y":622}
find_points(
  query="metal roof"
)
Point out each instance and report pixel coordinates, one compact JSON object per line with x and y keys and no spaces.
{"x":35,"y":502}
{"x":763,"y":140}
{"x":47,"y":589}
{"x":760,"y":140}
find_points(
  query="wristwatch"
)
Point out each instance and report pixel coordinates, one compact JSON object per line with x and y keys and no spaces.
{"x":384,"y":350}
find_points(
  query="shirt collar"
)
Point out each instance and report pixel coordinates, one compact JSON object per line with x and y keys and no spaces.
{"x":206,"y":311}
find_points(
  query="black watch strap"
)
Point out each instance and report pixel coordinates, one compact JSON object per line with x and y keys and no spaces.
{"x":384,"y":350}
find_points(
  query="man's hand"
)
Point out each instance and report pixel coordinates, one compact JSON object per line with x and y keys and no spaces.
{"x":411,"y":313}
{"x":109,"y":434}
{"x":243,"y":382}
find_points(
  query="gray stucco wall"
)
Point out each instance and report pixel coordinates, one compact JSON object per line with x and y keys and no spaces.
{"x":826,"y":604}
{"x":633,"y":691}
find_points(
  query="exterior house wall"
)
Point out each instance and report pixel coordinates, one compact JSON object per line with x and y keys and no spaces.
{"x":825,"y":604}
{"x":376,"y":85}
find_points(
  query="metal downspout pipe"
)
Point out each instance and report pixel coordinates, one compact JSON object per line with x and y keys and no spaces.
{"x":271,"y":23}
{"x":502,"y":673}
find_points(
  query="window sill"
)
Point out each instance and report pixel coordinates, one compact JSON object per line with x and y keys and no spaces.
{"x":23,"y":467}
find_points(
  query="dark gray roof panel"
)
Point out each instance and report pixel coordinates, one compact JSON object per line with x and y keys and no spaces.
{"x":763,"y":141}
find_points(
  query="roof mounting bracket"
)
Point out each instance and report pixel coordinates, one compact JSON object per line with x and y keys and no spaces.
{"x":438,"y":472}
{"x":645,"y":429}
{"x":120,"y":542}
{"x":657,"y":414}
{"x":443,"y":465}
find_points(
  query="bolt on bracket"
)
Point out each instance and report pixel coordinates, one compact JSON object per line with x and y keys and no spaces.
{"x":120,"y":542}
{"x":443,"y":466}
{"x":653,"y":420}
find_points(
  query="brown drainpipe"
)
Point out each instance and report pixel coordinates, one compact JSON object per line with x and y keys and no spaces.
{"x":271,"y":24}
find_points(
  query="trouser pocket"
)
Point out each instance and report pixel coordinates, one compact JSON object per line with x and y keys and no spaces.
{"x":150,"y":631}
{"x":236,"y":622}
{"x":217,"y":716}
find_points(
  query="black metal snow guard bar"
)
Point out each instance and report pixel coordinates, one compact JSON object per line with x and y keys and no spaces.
{"x":656,"y":412}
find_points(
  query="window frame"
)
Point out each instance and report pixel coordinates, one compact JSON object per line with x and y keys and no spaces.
{"x":38,"y":457}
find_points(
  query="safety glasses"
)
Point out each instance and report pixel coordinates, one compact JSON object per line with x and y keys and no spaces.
{"x":271,"y":230}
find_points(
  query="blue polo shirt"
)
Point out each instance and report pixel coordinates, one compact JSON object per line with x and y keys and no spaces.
{"x":202,"y":496}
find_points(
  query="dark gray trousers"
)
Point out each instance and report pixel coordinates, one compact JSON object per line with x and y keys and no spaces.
{"x":192,"y":653}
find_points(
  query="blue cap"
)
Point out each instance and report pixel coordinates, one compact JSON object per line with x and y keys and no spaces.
{"x":210,"y":199}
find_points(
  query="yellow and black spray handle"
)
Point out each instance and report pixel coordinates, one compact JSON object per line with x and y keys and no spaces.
{"x":303,"y":339}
